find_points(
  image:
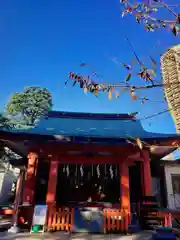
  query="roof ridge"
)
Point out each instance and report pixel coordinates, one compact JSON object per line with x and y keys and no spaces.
{"x":87,"y":115}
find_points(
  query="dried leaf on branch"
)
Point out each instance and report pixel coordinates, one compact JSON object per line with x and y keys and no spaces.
{"x":146,"y":74}
{"x":145,"y":14}
{"x":110,"y":94}
{"x":85,"y":90}
{"x":74,"y":83}
{"x":139,"y":143}
{"x":153,"y":61}
{"x":96,"y":92}
{"x":143,"y":100}
{"x":133,"y":94}
{"x":123,"y":1}
{"x":88,"y":84}
{"x":128,"y":67}
{"x":66,"y":82}
{"x":178,"y":19}
{"x":117,"y":94}
{"x":175,"y":30}
{"x":128,"y":77}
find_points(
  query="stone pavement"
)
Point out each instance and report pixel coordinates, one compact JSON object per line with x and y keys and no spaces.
{"x":81,"y":236}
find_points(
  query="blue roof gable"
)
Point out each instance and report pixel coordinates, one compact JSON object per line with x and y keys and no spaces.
{"x":92,"y":125}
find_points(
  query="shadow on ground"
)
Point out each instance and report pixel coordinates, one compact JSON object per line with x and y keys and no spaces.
{"x":80,"y":236}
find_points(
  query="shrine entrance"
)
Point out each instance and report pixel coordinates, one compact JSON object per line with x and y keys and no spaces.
{"x":135,"y":184}
{"x":87,"y":183}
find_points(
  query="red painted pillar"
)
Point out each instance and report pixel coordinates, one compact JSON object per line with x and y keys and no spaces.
{"x":125,"y":195}
{"x":146,"y":174}
{"x":30,"y":179}
{"x":53,"y":173}
{"x":124,"y":186}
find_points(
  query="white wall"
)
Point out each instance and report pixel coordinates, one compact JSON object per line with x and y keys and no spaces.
{"x":169,"y":170}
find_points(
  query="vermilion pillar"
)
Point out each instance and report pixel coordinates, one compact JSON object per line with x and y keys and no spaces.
{"x":53,"y":173}
{"x":124,"y":186}
{"x":146,"y":174}
{"x":30,"y":179}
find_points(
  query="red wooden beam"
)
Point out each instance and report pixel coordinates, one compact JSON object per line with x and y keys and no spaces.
{"x":87,"y":148}
{"x":52,"y":182}
{"x":92,"y":160}
{"x":30,"y":178}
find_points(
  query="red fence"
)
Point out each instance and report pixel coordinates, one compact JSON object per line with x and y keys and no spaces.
{"x":116,"y":220}
{"x":166,"y":217}
{"x":61,"y":219}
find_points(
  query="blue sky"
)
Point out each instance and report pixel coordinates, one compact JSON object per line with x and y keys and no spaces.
{"x":41,"y":41}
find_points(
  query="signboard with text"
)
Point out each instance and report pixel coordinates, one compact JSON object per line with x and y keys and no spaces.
{"x":39,"y":216}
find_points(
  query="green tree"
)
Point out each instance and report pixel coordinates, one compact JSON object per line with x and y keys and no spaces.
{"x":4,"y":125}
{"x":28,"y":106}
{"x":4,"y":122}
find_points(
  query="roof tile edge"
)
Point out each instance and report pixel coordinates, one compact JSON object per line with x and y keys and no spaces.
{"x":94,"y":116}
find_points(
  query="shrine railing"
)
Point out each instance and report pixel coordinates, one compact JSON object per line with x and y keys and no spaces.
{"x":167,"y":217}
{"x":61,"y":219}
{"x":116,"y":220}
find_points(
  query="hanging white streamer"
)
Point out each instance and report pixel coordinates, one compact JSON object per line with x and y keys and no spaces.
{"x":111,"y":172}
{"x":81,"y":170}
{"x":67,"y":170}
{"x":98,"y":171}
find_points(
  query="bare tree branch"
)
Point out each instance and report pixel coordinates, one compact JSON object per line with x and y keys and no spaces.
{"x":145,"y":14}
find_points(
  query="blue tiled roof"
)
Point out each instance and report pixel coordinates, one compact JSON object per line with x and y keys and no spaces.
{"x":92,"y":125}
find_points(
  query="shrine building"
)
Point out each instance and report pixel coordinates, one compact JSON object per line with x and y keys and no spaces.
{"x":75,"y":159}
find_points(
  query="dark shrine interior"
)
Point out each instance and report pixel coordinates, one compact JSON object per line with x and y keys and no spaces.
{"x":86,"y":183}
{"x":42,"y":177}
{"x":135,"y":182}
